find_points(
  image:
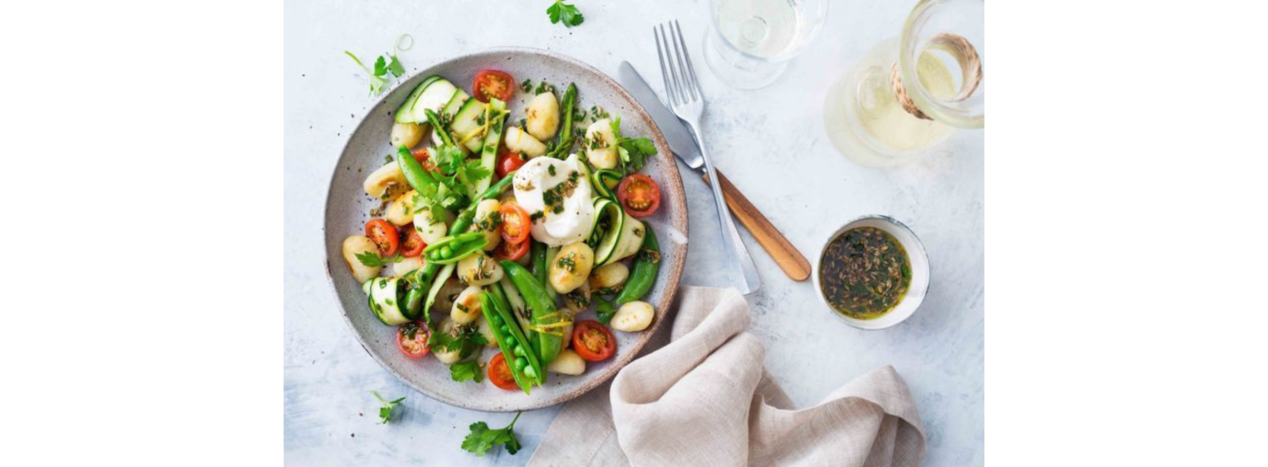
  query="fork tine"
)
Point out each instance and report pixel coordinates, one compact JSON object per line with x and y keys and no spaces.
{"x":690,"y":70}
{"x":674,"y":71}
{"x":688,"y":91}
{"x":664,"y":65}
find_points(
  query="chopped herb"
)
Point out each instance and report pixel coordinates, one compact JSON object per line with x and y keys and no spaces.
{"x":568,"y":14}
{"x":385,"y":412}
{"x":466,"y":371}
{"x":567,"y":262}
{"x":551,"y":169}
{"x":544,"y":87}
{"x":597,"y":113}
{"x":536,"y":215}
{"x":482,"y":439}
{"x":527,"y":85}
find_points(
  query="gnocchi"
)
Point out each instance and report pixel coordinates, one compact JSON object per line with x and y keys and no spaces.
{"x":517,"y":140}
{"x":567,"y":363}
{"x":600,"y":144}
{"x":487,"y":220}
{"x":542,"y":116}
{"x":633,"y":316}
{"x":609,"y":278}
{"x":357,"y":245}
{"x":407,"y":265}
{"x":467,"y":307}
{"x":479,"y":269}
{"x":401,"y":210}
{"x":571,"y":267}
{"x":406,"y":134}
{"x":431,"y":228}
{"x":384,"y":178}
{"x":447,"y":357}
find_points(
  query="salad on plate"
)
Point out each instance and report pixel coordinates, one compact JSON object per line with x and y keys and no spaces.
{"x":502,"y":232}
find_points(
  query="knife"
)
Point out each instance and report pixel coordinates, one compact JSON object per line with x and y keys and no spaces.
{"x":684,"y":147}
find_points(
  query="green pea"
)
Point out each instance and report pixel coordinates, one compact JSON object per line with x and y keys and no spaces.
{"x":530,"y":372}
{"x":519,"y":351}
{"x":497,"y":321}
{"x":445,"y":252}
{"x":520,"y":363}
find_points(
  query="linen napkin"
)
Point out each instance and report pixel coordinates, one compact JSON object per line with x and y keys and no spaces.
{"x":705,"y":399}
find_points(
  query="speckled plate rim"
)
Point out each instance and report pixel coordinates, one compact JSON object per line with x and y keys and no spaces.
{"x":674,"y":271}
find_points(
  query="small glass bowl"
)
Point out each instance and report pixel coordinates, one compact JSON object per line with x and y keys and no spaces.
{"x":919,"y":272}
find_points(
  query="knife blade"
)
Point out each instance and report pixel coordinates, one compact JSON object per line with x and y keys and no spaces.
{"x":680,"y":141}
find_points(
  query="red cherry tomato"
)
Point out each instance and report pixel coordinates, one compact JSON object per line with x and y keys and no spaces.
{"x":424,"y":158}
{"x":411,"y":339}
{"x":511,"y":251}
{"x":515,"y":223}
{"x":509,"y":162}
{"x":592,"y":341}
{"x":384,"y":235}
{"x":639,"y":194}
{"x":493,"y":83}
{"x":500,"y":373}
{"x":413,"y":244}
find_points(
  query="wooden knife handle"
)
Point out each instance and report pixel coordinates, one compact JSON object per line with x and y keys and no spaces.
{"x":779,"y":248}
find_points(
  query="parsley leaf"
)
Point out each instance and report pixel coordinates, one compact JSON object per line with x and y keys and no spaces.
{"x":466,"y":371}
{"x":380,"y":66}
{"x":376,"y":79}
{"x":462,"y":339}
{"x":482,"y":439}
{"x":566,"y":13}
{"x":372,"y":260}
{"x":633,"y":151}
{"x":394,"y":66}
{"x":385,"y":412}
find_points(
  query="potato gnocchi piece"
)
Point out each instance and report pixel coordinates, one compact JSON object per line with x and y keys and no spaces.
{"x":406,"y":134}
{"x":609,"y":278}
{"x":448,"y":293}
{"x":407,"y":265}
{"x":517,"y":140}
{"x":431,"y":228}
{"x":379,"y":181}
{"x":487,"y":331}
{"x":356,"y":245}
{"x":633,"y":316}
{"x":401,"y":210}
{"x":445,"y":356}
{"x":571,"y":267}
{"x":567,"y":363}
{"x":466,"y":308}
{"x":600,"y":144}
{"x":542,"y":116}
{"x":488,"y":220}
{"x":479,"y":269}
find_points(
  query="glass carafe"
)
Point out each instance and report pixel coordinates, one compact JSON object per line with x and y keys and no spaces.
{"x":909,"y":94}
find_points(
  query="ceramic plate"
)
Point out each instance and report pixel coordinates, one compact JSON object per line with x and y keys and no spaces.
{"x":348,"y":207}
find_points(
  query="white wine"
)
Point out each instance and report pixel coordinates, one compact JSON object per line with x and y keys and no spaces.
{"x":763,"y":28}
{"x":864,"y":119}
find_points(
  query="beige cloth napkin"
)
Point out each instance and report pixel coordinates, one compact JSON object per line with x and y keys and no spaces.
{"x":705,"y":399}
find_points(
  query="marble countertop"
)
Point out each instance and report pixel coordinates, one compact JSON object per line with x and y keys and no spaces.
{"x":757,"y":137}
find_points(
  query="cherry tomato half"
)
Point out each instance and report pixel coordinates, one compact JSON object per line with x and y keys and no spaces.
{"x":500,"y":373}
{"x":508,"y":162}
{"x":515,"y":223}
{"x":384,"y":235}
{"x":511,"y":251}
{"x":592,"y":341}
{"x":639,"y":194}
{"x":413,"y":244}
{"x":411,"y":339}
{"x":424,"y":158}
{"x":493,"y":83}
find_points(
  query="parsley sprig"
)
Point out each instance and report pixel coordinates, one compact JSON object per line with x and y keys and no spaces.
{"x":634,"y":151}
{"x":385,"y":412}
{"x":466,"y":371}
{"x":482,"y":439}
{"x":372,"y":260}
{"x":385,"y":64}
{"x":463,"y":339}
{"x":565,"y":13}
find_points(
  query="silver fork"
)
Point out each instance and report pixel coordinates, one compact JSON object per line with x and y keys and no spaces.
{"x":688,"y":104}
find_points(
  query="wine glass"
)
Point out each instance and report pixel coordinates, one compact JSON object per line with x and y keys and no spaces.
{"x":750,"y":42}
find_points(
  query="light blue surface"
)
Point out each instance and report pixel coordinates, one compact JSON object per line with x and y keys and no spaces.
{"x":770,"y":142}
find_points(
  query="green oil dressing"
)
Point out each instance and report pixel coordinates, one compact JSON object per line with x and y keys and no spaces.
{"x":864,"y":273}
